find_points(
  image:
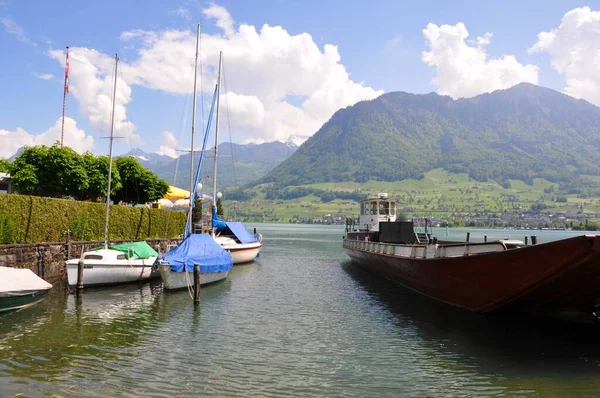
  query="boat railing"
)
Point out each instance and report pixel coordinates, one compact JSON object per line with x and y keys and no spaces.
{"x":434,"y":250}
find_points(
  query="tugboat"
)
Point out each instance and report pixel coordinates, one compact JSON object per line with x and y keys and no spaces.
{"x":483,"y":277}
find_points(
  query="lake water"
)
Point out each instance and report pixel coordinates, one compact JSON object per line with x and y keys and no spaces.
{"x":301,"y":321}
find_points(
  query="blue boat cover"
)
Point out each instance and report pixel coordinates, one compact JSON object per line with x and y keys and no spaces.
{"x":240,"y":232}
{"x":199,"y":249}
{"x":217,"y":223}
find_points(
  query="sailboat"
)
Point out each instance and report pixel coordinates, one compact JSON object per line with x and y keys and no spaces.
{"x":178,"y":263}
{"x":231,"y":235}
{"x":113,"y":264}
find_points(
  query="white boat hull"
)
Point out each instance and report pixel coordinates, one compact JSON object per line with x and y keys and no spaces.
{"x":180,"y":280}
{"x":120,"y":271}
{"x":241,"y":252}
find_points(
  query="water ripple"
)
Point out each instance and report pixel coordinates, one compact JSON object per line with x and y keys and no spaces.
{"x":301,"y":321}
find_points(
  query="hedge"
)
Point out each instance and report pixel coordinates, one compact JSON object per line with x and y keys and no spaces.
{"x":37,"y":219}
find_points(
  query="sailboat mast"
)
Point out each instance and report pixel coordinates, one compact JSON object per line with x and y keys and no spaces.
{"x":112,"y":130}
{"x":192,"y":196}
{"x":65,"y":91}
{"x":217,"y":134}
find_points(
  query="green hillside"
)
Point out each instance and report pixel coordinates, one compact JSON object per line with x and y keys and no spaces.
{"x":438,"y":194}
{"x":522,"y":133}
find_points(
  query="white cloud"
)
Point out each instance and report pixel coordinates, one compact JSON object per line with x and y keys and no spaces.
{"x":182,"y":12}
{"x":91,"y":81}
{"x":463,"y":70}
{"x":44,"y":76}
{"x":262,"y":69}
{"x":222,"y":17}
{"x":169,"y":145}
{"x":393,"y":43}
{"x":73,"y":137}
{"x":17,"y":31}
{"x":574,"y":49}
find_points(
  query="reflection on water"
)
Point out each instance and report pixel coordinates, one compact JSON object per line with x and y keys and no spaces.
{"x":518,"y":355}
{"x":300,"y":321}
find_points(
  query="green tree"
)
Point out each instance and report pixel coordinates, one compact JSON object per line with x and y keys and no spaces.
{"x":138,"y":184}
{"x":60,"y":172}
{"x":49,"y":171}
{"x":197,"y":210}
{"x":65,"y":172}
{"x":4,"y":166}
{"x":97,"y":172}
{"x":219,"y":207}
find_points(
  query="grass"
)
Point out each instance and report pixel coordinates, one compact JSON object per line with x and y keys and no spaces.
{"x":438,"y":194}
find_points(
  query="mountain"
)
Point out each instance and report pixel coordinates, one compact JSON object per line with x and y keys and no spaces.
{"x":19,"y":152}
{"x":521,"y":133}
{"x":147,"y":159}
{"x":238,"y":164}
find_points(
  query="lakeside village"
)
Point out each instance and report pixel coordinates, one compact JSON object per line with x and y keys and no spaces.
{"x":577,"y":220}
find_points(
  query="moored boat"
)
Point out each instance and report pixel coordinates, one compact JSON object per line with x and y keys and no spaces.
{"x":233,"y":236}
{"x":114,"y":264}
{"x":177,"y":265}
{"x":20,"y":288}
{"x":128,"y":262}
{"x":503,"y":275}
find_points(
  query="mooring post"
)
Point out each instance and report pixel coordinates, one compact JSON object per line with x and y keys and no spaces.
{"x":39,"y":262}
{"x":468,"y":236}
{"x":68,"y":244}
{"x":485,"y":238}
{"x":526,"y":239}
{"x":196,"y":283}
{"x":80,"y":276}
{"x":533,"y":240}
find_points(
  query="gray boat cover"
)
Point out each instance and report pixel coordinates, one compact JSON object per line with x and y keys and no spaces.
{"x":15,"y":280}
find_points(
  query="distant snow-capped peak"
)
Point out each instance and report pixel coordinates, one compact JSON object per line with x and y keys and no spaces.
{"x":296,"y":140}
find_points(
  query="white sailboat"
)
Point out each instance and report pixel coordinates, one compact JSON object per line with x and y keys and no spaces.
{"x":129,"y":262}
{"x":177,"y":265}
{"x":231,"y":236}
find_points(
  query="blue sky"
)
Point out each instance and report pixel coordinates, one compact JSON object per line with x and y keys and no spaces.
{"x":380,"y":45}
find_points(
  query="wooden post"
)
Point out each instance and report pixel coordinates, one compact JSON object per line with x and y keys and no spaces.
{"x":533,"y":240}
{"x":485,"y":238}
{"x":526,"y":239}
{"x":80,"y":276}
{"x":254,"y":230}
{"x":468,"y":236}
{"x":196,"y":283}
{"x":68,"y":244}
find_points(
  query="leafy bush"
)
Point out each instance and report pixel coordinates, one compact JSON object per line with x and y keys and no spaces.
{"x":81,"y":227}
{"x":7,"y":230}
{"x":39,"y":219}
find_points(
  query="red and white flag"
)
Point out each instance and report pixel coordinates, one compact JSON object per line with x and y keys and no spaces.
{"x":67,"y":72}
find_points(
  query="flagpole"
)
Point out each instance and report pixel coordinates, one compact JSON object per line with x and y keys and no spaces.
{"x":65,"y":91}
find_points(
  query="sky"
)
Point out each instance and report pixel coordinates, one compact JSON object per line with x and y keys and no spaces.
{"x":288,"y":65}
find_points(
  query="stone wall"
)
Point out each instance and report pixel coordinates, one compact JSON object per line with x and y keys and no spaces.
{"x":47,"y":260}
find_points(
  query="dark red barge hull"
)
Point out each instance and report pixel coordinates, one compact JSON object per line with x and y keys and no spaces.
{"x":562,"y":275}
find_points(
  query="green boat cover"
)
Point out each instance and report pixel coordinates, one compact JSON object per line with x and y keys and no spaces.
{"x":133,"y":250}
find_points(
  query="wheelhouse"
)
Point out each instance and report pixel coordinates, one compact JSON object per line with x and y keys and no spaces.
{"x":375,"y":210}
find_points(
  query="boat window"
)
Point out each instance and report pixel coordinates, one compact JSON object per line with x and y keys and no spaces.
{"x":92,"y":257}
{"x":373,"y":208}
{"x":392,"y":208}
{"x":121,"y":257}
{"x":384,"y":208}
{"x":362,"y":209}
